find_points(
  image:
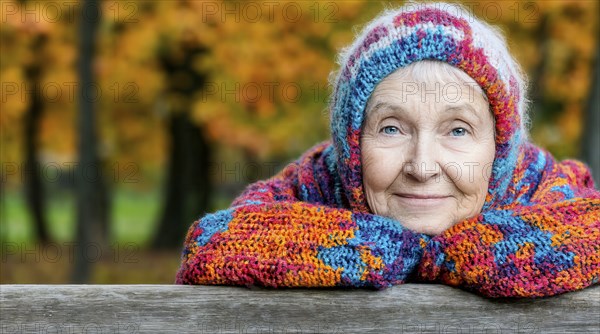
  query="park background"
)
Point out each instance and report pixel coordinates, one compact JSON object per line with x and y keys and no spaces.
{"x":122,"y":122}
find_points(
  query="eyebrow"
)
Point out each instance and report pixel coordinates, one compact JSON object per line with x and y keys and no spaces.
{"x":378,"y":108}
{"x":384,"y":105}
{"x":467,"y":107}
{"x":447,"y":108}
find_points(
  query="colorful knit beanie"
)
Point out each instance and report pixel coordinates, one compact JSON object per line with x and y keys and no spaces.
{"x":439,"y":31}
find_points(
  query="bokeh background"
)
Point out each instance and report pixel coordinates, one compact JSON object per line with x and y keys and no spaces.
{"x":124,"y":121}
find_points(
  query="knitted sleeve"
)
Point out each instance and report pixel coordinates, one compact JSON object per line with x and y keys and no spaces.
{"x":271,"y":238}
{"x":546,"y":245}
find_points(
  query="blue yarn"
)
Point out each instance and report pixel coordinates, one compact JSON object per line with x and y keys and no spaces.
{"x":517,"y":233}
{"x":213,"y":223}
{"x":564,"y":189}
{"x":347,"y":258}
{"x":533,"y":175}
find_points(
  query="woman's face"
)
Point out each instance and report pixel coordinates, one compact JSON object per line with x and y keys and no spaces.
{"x":427,"y":147}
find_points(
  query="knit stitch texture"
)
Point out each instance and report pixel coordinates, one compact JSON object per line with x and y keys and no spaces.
{"x":309,"y":226}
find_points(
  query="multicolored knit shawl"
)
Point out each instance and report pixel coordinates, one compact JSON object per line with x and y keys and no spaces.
{"x":538,"y":233}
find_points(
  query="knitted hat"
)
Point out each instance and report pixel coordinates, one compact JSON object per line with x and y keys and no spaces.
{"x":438,"y":31}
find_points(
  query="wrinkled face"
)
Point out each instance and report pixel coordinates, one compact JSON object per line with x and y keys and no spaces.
{"x":427,"y":147}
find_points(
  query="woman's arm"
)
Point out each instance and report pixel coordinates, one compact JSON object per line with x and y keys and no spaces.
{"x":298,"y":245}
{"x":547,"y":247}
{"x":270,"y":238}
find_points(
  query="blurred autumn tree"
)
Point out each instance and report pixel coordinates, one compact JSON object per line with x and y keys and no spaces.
{"x":555,"y":41}
{"x":591,"y":140}
{"x":229,"y":81}
{"x":29,"y":66}
{"x":211,"y":87}
{"x":92,"y":195}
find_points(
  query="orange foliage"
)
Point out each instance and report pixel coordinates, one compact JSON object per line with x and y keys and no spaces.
{"x":267,"y":66}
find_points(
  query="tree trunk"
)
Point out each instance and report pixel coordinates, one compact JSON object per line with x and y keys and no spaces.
{"x":591,"y":135}
{"x":188,"y":182}
{"x":89,"y":183}
{"x":536,"y":88}
{"x":34,"y":187}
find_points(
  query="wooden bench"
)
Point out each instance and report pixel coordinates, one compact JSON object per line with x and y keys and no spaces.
{"x":420,"y":308}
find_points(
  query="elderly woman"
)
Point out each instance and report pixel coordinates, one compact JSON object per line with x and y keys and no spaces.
{"x":429,"y":176}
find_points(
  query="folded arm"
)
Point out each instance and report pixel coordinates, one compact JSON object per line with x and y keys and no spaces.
{"x":546,"y":247}
{"x":271,"y":238}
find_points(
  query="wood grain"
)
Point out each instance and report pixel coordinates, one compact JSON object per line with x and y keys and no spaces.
{"x":421,"y":308}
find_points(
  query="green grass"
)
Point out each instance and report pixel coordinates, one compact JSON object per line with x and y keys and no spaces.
{"x":15,"y":219}
{"x":134,"y":215}
{"x":126,"y":259}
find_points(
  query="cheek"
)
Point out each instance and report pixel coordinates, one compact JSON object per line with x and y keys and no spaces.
{"x":380,"y":167}
{"x":473,"y":182}
{"x":471,"y":172}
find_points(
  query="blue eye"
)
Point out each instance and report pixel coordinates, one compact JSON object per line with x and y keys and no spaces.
{"x":459,"y":132}
{"x":390,"y":130}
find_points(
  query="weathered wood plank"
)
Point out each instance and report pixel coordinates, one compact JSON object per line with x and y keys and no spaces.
{"x":410,"y":308}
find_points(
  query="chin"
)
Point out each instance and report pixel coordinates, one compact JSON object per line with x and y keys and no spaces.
{"x":431,"y":231}
{"x":435,"y":227}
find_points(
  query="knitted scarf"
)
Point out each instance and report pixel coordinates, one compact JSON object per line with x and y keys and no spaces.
{"x":538,"y":233}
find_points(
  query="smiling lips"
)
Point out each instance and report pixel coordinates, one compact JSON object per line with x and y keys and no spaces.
{"x":422,"y":200}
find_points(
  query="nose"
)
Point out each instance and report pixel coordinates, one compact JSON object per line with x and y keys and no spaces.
{"x":422,"y":160}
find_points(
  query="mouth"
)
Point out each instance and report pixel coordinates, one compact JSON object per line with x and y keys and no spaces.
{"x":422,"y":200}
{"x":421,"y":196}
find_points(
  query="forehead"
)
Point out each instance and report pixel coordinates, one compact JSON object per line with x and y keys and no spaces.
{"x":428,"y":93}
{"x":428,"y":81}
{"x":431,"y":72}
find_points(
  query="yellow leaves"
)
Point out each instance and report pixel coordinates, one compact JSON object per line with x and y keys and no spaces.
{"x":340,"y":39}
{"x":62,"y":52}
{"x":253,"y":57}
{"x":232,"y":134}
{"x":570,"y":122}
{"x":345,"y":10}
{"x":204,"y":109}
{"x":57,"y":130}
{"x":13,"y":105}
{"x":14,"y":101}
